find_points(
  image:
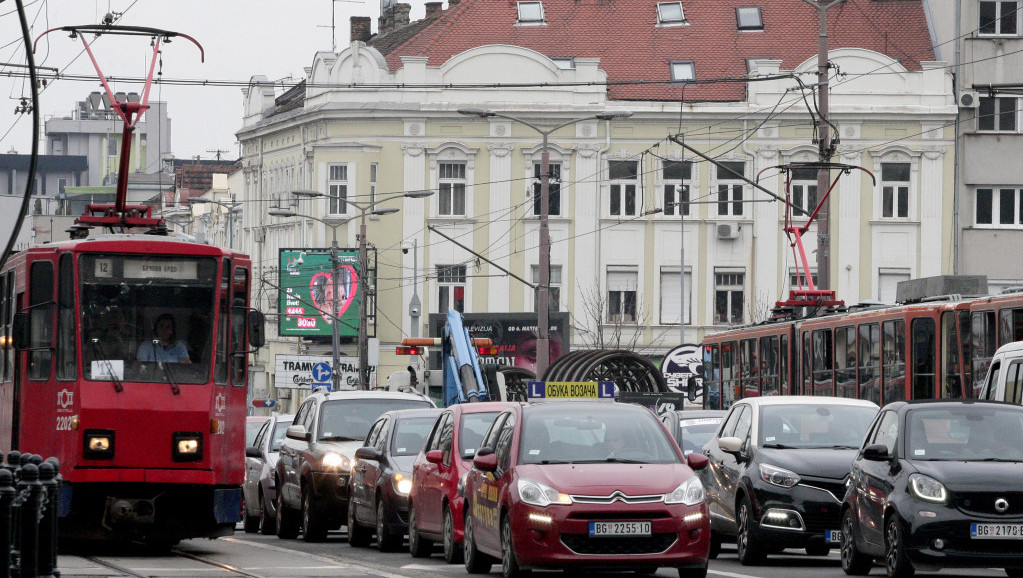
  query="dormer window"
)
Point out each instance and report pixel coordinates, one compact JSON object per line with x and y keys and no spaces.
{"x":748,"y":18}
{"x":564,"y":62}
{"x":670,"y":13}
{"x":682,"y":72}
{"x":530,"y":12}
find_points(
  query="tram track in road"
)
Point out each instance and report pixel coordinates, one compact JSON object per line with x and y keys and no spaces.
{"x":150,"y":572}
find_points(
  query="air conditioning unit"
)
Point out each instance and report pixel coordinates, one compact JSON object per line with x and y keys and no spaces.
{"x":968,"y":99}
{"x":728,"y":230}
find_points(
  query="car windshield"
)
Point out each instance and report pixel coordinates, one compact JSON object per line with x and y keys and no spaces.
{"x":814,"y":426}
{"x":975,"y":432}
{"x":697,"y":432}
{"x":280,"y":428}
{"x":410,"y":434}
{"x":611,"y":434}
{"x":350,"y":419}
{"x":251,"y":429}
{"x":474,"y":427}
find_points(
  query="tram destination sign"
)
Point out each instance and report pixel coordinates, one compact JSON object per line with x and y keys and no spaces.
{"x":155,"y":269}
{"x":308,"y":289}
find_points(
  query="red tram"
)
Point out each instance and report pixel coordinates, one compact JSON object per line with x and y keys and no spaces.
{"x":937,"y":349}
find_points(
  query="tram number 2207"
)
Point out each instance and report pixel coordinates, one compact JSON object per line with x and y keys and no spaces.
{"x":64,"y":422}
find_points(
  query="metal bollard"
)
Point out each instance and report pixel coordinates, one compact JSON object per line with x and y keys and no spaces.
{"x":47,"y":557}
{"x":53,"y":512}
{"x":7,"y":496}
{"x":32,"y":494}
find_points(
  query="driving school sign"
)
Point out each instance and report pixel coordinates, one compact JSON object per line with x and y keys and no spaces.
{"x":311,"y":371}
{"x":570,"y":390}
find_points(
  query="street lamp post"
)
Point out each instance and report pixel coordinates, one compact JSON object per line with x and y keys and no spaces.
{"x":543,"y":345}
{"x":231,"y":209}
{"x":365,"y":208}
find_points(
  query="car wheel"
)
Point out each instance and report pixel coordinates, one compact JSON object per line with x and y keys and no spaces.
{"x":267,"y":525}
{"x":357,"y":535}
{"x":387,"y":541}
{"x":452,"y":550}
{"x":818,"y":550}
{"x":692,"y":572}
{"x":896,"y":562}
{"x":715,"y":545}
{"x":750,"y":552}
{"x":313,"y":528}
{"x":249,"y":522}
{"x":475,"y":563}
{"x":418,"y":546}
{"x":509,"y":565}
{"x":854,"y":562}
{"x":287,"y":522}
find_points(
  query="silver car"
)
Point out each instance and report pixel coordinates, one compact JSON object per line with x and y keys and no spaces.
{"x":258,"y":489}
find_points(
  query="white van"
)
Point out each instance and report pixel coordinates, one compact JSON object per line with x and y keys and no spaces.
{"x":1004,"y":379}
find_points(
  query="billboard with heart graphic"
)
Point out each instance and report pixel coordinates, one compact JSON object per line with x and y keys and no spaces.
{"x":310,"y":287}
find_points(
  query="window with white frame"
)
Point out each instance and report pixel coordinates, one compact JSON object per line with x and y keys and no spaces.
{"x":337,"y":189}
{"x":748,"y":18}
{"x":999,"y":206}
{"x":622,"y":284}
{"x":624,"y":177}
{"x":671,"y":295}
{"x":730,"y":188}
{"x":683,"y":72}
{"x":798,"y":279}
{"x":888,"y":281}
{"x":450,"y":288}
{"x":674,"y":178}
{"x":554,"y":289}
{"x":804,"y":192}
{"x":530,"y":12}
{"x":553,"y":189}
{"x":999,"y":18}
{"x":728,"y":296}
{"x":372,"y":183}
{"x":895,"y":190}
{"x":451,"y":189}
{"x":670,"y":13}
{"x":998,"y":114}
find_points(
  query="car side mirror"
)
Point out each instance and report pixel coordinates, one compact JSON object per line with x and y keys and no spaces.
{"x":297,"y":432}
{"x":696,"y":461}
{"x":876,"y":453}
{"x":484,"y":451}
{"x":253,"y":452}
{"x":257,"y":329}
{"x":21,"y":331}
{"x":485,"y":463}
{"x":369,"y":454}
{"x":435,"y":456}
{"x":732,"y":445}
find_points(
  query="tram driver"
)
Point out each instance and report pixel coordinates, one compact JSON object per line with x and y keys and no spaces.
{"x":166,"y":346}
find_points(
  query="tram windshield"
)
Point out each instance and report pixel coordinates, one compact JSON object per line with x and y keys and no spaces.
{"x":146,"y":318}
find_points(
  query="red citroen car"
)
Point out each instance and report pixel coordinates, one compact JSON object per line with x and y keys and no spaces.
{"x":584,"y":484}
{"x":435,"y":501}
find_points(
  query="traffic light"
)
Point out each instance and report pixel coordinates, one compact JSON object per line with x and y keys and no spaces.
{"x":492,"y":350}
{"x":408,"y":350}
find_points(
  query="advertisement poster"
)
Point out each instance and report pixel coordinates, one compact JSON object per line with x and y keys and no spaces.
{"x":514,"y":334}
{"x":308,"y":291}
{"x":679,"y":365}
{"x":312,"y":371}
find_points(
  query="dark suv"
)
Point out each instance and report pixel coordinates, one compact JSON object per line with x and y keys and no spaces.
{"x":318,"y":453}
{"x":777,"y":472}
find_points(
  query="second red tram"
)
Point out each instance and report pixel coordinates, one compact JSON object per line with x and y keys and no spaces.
{"x":125,"y":356}
{"x":937,"y":349}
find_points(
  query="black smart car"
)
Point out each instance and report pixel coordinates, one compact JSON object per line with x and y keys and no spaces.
{"x":937,"y":484}
{"x":777,"y":472}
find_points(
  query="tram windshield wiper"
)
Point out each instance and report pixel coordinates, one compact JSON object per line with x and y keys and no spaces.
{"x":167,"y":372}
{"x":97,"y":350}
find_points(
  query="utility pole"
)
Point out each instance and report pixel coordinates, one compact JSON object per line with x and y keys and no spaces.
{"x":826,"y":148}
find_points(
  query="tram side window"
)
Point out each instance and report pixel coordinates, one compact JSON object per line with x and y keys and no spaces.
{"x":1010,"y":326}
{"x":823,"y":379}
{"x":869,"y":369}
{"x":66,"y":326}
{"x":223,"y":323}
{"x":40,"y":298}
{"x":894,"y":368}
{"x":783,"y":365}
{"x":966,"y":342}
{"x":729,"y":373}
{"x":711,"y":378}
{"x":6,"y":317}
{"x":750,"y":379}
{"x":982,"y":344}
{"x":238,"y":334}
{"x":845,"y":361}
{"x":951,"y":384}
{"x":769,"y":365}
{"x":923,"y":358}
{"x":807,"y":387}
{"x":1014,"y":383}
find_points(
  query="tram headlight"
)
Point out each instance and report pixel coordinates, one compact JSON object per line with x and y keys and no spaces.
{"x":187,"y":446}
{"x":98,"y":444}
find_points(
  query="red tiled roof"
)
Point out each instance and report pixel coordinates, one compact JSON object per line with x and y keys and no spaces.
{"x":631,"y":47}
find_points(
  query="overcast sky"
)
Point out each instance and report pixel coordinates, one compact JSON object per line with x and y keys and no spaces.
{"x":241,"y":38}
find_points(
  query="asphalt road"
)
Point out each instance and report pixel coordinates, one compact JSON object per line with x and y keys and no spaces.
{"x":267,"y":556}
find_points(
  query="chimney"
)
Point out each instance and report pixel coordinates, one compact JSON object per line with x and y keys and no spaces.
{"x":433,"y":9}
{"x":401,"y":15}
{"x":361,"y":28}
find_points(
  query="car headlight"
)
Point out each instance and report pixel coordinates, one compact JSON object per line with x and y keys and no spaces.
{"x":778,"y":476}
{"x":402,"y":483}
{"x":689,"y":492}
{"x":927,"y":489}
{"x":335,"y":461}
{"x":537,"y":494}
